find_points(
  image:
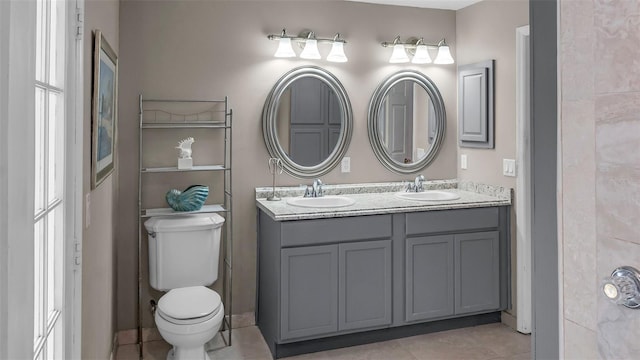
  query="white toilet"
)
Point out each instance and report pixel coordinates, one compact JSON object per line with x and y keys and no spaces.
{"x":184,"y":253}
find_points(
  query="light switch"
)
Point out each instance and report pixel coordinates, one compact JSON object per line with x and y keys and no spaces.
{"x":463,"y":161}
{"x":509,"y":167}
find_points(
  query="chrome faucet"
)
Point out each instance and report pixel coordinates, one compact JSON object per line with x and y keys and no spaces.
{"x":317,"y":188}
{"x":314,"y":190}
{"x":416,"y":186}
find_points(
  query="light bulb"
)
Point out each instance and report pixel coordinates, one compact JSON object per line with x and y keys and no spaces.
{"x":422,"y":55}
{"x":399,"y":55}
{"x":444,"y":55}
{"x":337,"y":53}
{"x":310,"y":50}
{"x":284,"y":48}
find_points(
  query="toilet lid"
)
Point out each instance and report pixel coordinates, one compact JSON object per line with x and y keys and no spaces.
{"x":189,"y":302}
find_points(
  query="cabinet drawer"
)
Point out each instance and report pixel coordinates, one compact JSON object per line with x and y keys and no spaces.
{"x":324,"y":231}
{"x":451,"y":220}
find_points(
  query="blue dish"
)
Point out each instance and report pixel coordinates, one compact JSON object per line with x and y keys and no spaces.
{"x":191,"y":199}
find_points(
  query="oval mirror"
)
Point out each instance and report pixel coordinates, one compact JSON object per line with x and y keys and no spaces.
{"x":307,"y":121}
{"x":406,"y":122}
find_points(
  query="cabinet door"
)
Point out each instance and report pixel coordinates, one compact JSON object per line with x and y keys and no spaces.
{"x":429,"y":277}
{"x":477,"y":272}
{"x":309,"y":291}
{"x":475,"y":105}
{"x":365,"y":284}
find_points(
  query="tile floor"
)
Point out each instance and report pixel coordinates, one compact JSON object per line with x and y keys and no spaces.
{"x":485,"y":342}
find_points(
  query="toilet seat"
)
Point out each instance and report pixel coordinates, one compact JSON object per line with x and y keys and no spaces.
{"x":189,"y":305}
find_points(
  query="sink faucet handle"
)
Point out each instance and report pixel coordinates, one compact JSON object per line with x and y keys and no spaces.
{"x":317,"y":188}
{"x":418,"y":183}
{"x":409,"y":187}
{"x":308,"y":192}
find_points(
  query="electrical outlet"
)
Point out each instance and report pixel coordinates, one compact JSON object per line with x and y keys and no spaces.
{"x":509,"y":167}
{"x":463,"y":161}
{"x":345,"y":165}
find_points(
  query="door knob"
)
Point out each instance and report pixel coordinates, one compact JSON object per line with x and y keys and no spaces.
{"x":623,"y":287}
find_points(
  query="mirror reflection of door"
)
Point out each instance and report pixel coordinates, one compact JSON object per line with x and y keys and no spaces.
{"x":315,"y":121}
{"x":407,"y":122}
{"x":396,"y":122}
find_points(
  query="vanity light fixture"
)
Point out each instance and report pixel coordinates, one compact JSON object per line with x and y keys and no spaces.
{"x":444,"y":55}
{"x":309,"y":42}
{"x":399,"y":54}
{"x":310,"y":50}
{"x":284,"y":47}
{"x":422,"y":53}
{"x":419,"y":50}
{"x":337,"y":51}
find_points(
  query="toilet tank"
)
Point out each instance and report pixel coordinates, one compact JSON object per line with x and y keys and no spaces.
{"x":183,"y":250}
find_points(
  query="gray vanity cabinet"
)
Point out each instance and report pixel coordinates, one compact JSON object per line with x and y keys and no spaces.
{"x":429,"y":277}
{"x":364,"y":296}
{"x":460,"y":270}
{"x":477,"y":267}
{"x":323,"y":277}
{"x":452,"y":275}
{"x":335,"y":287}
{"x":332,"y":281}
{"x":309,"y":291}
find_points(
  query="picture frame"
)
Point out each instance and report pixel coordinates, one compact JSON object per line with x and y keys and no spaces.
{"x":104,"y":110}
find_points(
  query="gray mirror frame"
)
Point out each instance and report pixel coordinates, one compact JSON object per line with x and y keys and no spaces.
{"x":374,"y":111}
{"x":269,"y":120}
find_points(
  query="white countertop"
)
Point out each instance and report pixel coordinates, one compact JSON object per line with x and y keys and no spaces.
{"x":371,"y":203}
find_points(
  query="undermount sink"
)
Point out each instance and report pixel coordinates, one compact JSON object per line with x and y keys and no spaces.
{"x":329,"y":201}
{"x":429,"y":195}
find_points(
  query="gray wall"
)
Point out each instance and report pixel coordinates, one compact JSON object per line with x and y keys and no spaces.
{"x":98,"y":263}
{"x":599,"y":189}
{"x":196,"y":49}
{"x":484,"y":31}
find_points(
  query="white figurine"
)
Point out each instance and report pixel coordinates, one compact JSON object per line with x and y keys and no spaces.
{"x":184,"y":158}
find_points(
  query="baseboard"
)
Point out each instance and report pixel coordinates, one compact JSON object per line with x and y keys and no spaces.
{"x":150,"y":334}
{"x":114,"y":347}
{"x":372,"y":336}
{"x":127,"y":337}
{"x":509,"y":320}
{"x":243,"y":320}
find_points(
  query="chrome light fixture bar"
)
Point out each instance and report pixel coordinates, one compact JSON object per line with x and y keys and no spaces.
{"x":419,"y":50}
{"x":309,"y":42}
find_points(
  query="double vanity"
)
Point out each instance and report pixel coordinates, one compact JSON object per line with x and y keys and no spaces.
{"x":350,"y":264}
{"x":372,"y":262}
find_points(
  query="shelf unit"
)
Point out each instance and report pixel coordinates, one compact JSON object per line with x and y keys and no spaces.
{"x":161,"y":114}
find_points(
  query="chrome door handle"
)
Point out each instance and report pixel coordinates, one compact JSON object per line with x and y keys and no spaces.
{"x":623,"y":287}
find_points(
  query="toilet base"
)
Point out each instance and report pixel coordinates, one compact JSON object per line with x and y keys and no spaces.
{"x":189,"y":341}
{"x":193,"y":353}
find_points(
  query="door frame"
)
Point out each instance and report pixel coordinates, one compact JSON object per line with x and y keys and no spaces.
{"x":5,"y":8}
{"x":523,"y":183}
{"x":546,"y":300}
{"x":74,"y":173}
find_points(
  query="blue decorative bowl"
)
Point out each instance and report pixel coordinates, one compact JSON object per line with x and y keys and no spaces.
{"x":191,"y":199}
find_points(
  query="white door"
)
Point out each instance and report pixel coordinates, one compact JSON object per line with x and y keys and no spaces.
{"x":41,"y":180}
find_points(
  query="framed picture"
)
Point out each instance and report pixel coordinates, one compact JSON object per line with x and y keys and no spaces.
{"x":104,"y":110}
